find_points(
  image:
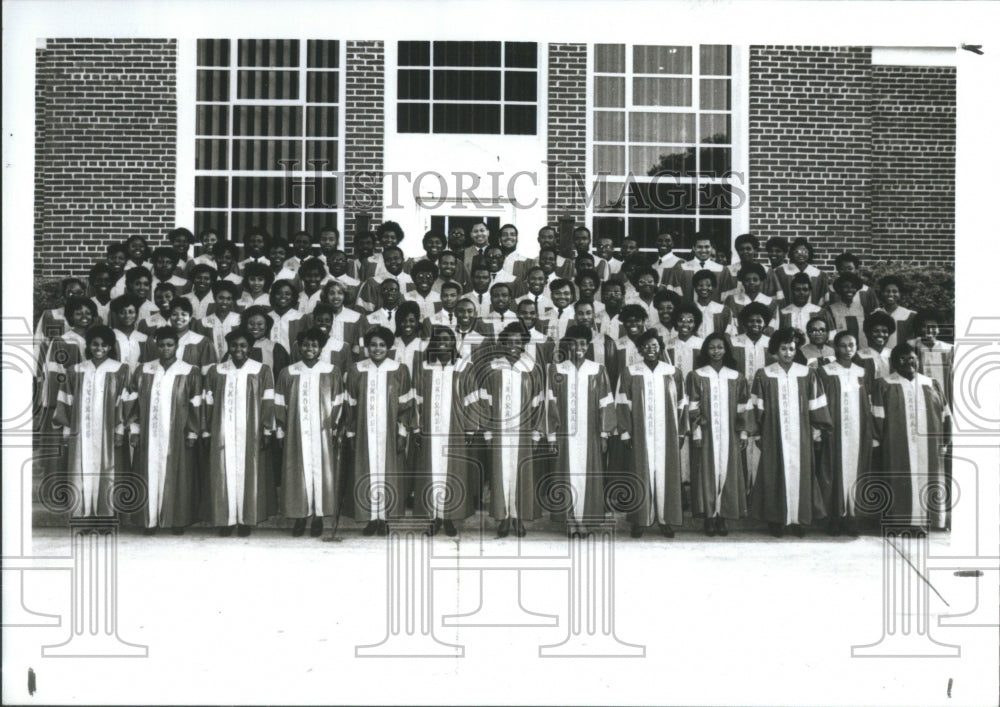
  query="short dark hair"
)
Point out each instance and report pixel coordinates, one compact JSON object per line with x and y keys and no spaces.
{"x":380,"y":332}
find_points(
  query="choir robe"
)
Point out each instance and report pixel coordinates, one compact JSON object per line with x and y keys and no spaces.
{"x":215,"y":330}
{"x":601,"y":350}
{"x":866,"y":296}
{"x":797,"y":318}
{"x":781,"y":278}
{"x":510,"y":411}
{"x":557,"y":322}
{"x":663,"y":266}
{"x":847,"y":451}
{"x":247,"y":300}
{"x":51,"y":324}
{"x":904,"y":325}
{"x":439,"y":318}
{"x":653,"y":414}
{"x":848,"y":317}
{"x":153,"y":321}
{"x":308,"y":412}
{"x":334,"y":351}
{"x":91,"y":410}
{"x":130,"y":347}
{"x":788,"y":405}
{"x":286,"y":327}
{"x":381,"y":407}
{"x":474,"y":343}
{"x":202,"y":306}
{"x":406,"y":352}
{"x":239,"y":413}
{"x":166,"y":413}
{"x":936,"y":362}
{"x":192,"y":347}
{"x":349,"y":325}
{"x":714,"y":318}
{"x":103,"y":311}
{"x":580,"y":411}
{"x":543,"y":305}
{"x":911,"y":423}
{"x":428,"y":305}
{"x":443,"y":484}
{"x":750,"y":357}
{"x":875,"y":363}
{"x":65,"y":350}
{"x":720,"y":416}
{"x":498,"y":321}
{"x":816,"y":356}
{"x":682,"y":275}
{"x":736,"y":302}
{"x":272,"y":355}
{"x":370,"y":293}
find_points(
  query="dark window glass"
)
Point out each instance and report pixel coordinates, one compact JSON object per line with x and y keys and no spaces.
{"x":715,"y":60}
{"x":519,"y":120}
{"x":413,"y":118}
{"x":653,"y":161}
{"x":265,"y":193}
{"x":715,"y":199}
{"x":269,"y":52}
{"x":716,"y":161}
{"x":715,"y":128}
{"x":211,"y":154}
{"x":609,"y":227}
{"x":273,"y":85}
{"x":466,"y":53}
{"x":267,"y":154}
{"x":521,"y":55}
{"x":661,"y":60}
{"x":277,"y":223}
{"x":720,"y":230}
{"x":467,"y":118}
{"x":661,"y":197}
{"x":323,"y":54}
{"x":322,"y":121}
{"x":318,"y":193}
{"x":413,"y":84}
{"x":520,"y":86}
{"x":321,"y":87}
{"x":279,"y":121}
{"x":213,"y":52}
{"x":316,"y":221}
{"x":213,"y":85}
{"x":645,"y":230}
{"x":608,"y":197}
{"x":211,"y":192}
{"x":217,"y":221}
{"x":467,"y":85}
{"x":321,"y":154}
{"x":212,"y":120}
{"x":609,"y":58}
{"x":414,"y":53}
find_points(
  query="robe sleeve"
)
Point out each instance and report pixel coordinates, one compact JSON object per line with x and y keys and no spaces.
{"x":280,"y":357}
{"x":418,"y":399}
{"x":819,"y":412}
{"x":267,"y":400}
{"x":130,"y":398}
{"x":57,"y":359}
{"x":696,"y":418}
{"x":623,"y":402}
{"x":744,"y":412}
{"x":196,"y":411}
{"x":551,"y":404}
{"x":280,"y":405}
{"x":367,"y":298}
{"x":537,"y":413}
{"x":337,"y":416}
{"x":683,"y":424}
{"x":407,"y":411}
{"x":350,"y":400}
{"x":607,"y":418}
{"x":210,"y":380}
{"x":757,"y":395}
{"x":62,"y":416}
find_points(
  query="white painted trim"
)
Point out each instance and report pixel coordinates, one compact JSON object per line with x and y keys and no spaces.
{"x":740,"y":139}
{"x":914,"y":56}
{"x":187,"y":85}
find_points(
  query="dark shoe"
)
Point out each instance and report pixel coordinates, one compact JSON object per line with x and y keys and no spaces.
{"x":244,"y":531}
{"x":449,"y":529}
{"x":637,"y":531}
{"x":299,"y":529}
{"x":519,"y":528}
{"x":435,"y":527}
{"x":720,"y":526}
{"x":370,"y":529}
{"x":850,"y":526}
{"x":667,"y":531}
{"x":382,"y":529}
{"x":503,"y":528}
{"x":177,"y":531}
{"x":149,"y":531}
{"x":709,"y":528}
{"x":316,"y":527}
{"x":833,"y":527}
{"x":225,"y":531}
{"x":799,"y":530}
{"x":776,"y":529}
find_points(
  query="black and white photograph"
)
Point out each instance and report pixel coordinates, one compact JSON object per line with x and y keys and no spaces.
{"x":553,"y":352}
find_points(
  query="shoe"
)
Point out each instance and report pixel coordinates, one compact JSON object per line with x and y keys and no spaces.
{"x":833,"y":527}
{"x":637,"y":531}
{"x":382,"y":529}
{"x":449,"y":529}
{"x":370,"y":529}
{"x":177,"y":531}
{"x":799,"y":530}
{"x":244,"y":531}
{"x":667,"y":531}
{"x":720,"y":526}
{"x":519,"y":528}
{"x":503,"y":528}
{"x":299,"y":528}
{"x":435,"y":527}
{"x":776,"y":529}
{"x":149,"y":531}
{"x":316,"y":527}
{"x":850,"y":526}
{"x":709,"y":528}
{"x":225,"y":531}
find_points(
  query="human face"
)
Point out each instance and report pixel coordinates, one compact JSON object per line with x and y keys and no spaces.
{"x":408,"y":325}
{"x":846,"y":349}
{"x":224,"y":261}
{"x":239,"y":350}
{"x":664,"y":243}
{"x":99,"y":349}
{"x":586,"y":263}
{"x":449,"y":298}
{"x":665,"y":313}
{"x":508,"y":239}
{"x":685,"y":325}
{"x":309,"y":351}
{"x":328,"y":241}
{"x":442,"y":346}
{"x":140,"y":287}
{"x":786,"y":354}
{"x":890,"y":296}
{"x":847,"y":267}
{"x":646,"y":285}
{"x":136,"y":249}
{"x":776,"y":256}
{"x":211,"y":238}
{"x":180,"y":319}
{"x":388,"y":238}
{"x":818,"y":333}
{"x":613,"y":296}
{"x":562,"y":296}
{"x":752,"y":284}
{"x":393,"y":261}
{"x":423,"y":281}
{"x":879,"y":336}
{"x":311,"y":279}
{"x":634,"y":326}
{"x":164,"y":267}
{"x":746,"y":252}
{"x":447,"y":266}
{"x":167,"y":349}
{"x":255,"y":284}
{"x":703,"y":288}
{"x":907,"y":365}
{"x":494,"y":259}
{"x":301,"y":245}
{"x":588,"y":287}
{"x":581,"y":241}
{"x":547,"y":238}
{"x":456,"y":238}
{"x":116,"y":261}
{"x":465,"y":314}
{"x":257,"y":326}
{"x":585,"y":315}
{"x":337,"y":262}
{"x":650,"y":351}
{"x":102,"y":283}
{"x":847,"y":290}
{"x":254,"y":244}
{"x":629,"y":247}
{"x":481,"y":280}
{"x":605,"y":248}
{"x":578,"y":348}
{"x":127,"y":316}
{"x":755,"y":324}
{"x":480,"y":235}
{"x":364,"y":246}
{"x":224,"y":303}
{"x":390,"y":294}
{"x":527,"y":314}
{"x":800,"y":255}
{"x":536,"y":282}
{"x":500,"y":299}
{"x":323,"y":321}
{"x":283,"y":296}
{"x":202,"y":283}
{"x":433,"y":247}
{"x":377,"y":349}
{"x":702,"y":249}
{"x":162,"y":300}
{"x":930,"y":332}
{"x":277,"y":255}
{"x":513,"y":346}
{"x":547,"y":262}
{"x":335,"y":297}
{"x":716,"y":351}
{"x":800,"y":294}
{"x":181,"y":244}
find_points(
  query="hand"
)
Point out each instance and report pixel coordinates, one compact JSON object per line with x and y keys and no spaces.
{"x":119,"y":440}
{"x":604,"y":445}
{"x":189,"y":442}
{"x":743,"y":443}
{"x":133,"y":440}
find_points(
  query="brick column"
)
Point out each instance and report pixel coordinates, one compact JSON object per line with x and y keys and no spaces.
{"x":567,"y":131}
{"x":364,"y":160}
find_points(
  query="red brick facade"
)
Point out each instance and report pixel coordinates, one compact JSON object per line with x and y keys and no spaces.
{"x":365,"y":126}
{"x":567,"y":130}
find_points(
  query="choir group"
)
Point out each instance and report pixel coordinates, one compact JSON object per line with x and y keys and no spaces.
{"x":282,"y":376}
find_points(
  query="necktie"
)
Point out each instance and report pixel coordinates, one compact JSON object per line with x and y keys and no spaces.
{"x":480,"y":298}
{"x":536,"y":301}
{"x":388,"y":314}
{"x":701,"y":264}
{"x":451,"y":317}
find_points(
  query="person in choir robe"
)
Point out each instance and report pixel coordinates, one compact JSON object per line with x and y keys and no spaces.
{"x":540,"y":346}
{"x":130,"y":341}
{"x":336,"y":263}
{"x":90,"y":410}
{"x":100,"y":284}
{"x":777,"y":253}
{"x":479,"y":237}
{"x":165,"y":422}
{"x":181,"y":240}
{"x":364,"y":248}
{"x":226,"y":255}
{"x":335,"y":350}
{"x":192,"y":347}
{"x":443,"y":433}
{"x":163,"y":297}
{"x":312,"y":273}
{"x":746,"y":246}
{"x":666,"y":302}
{"x":217,"y":325}
{"x":682,"y":274}
{"x":239,"y":423}
{"x":390,"y":297}
{"x":381,"y":412}
{"x":613,"y":299}
{"x":139,"y":253}
{"x":913,"y":427}
{"x":449,"y":295}
{"x":633,"y":317}
{"x":751,"y":353}
{"x":164,"y":264}
{"x":449,"y":270}
{"x":479,"y":287}
{"x":348,"y":324}
{"x":257,"y":280}
{"x":329,"y":241}
{"x":53,"y":322}
{"x":684,"y":350}
{"x":817,"y":350}
{"x":434,"y":244}
{"x":139,"y":284}
{"x":800,"y":310}
{"x":607,"y":264}
{"x":849,"y":264}
{"x":549,"y":261}
{"x":424,"y":273}
{"x":751,"y":278}
{"x":258,"y":323}
{"x":277,"y":252}
{"x":309,"y":413}
{"x":846,"y":310}
{"x":587,"y":283}
{"x":473,"y":336}
{"x":301,"y":246}
{"x":408,"y":345}
{"x":256,"y":244}
{"x":580,"y":417}
{"x":494,"y":263}
{"x":789,"y":402}
{"x":370,"y":294}
{"x":285,"y":313}
{"x":514,"y":263}
{"x":653,"y":423}
{"x":115,"y":258}
{"x":845,"y":463}
{"x":207,"y":241}
{"x":537,"y":282}
{"x":890,"y":292}
{"x":874,"y":358}
{"x":511,"y":413}
{"x":500,"y":315}
{"x":66,"y":349}
{"x":714,"y":316}
{"x":801,"y":256}
{"x":203,"y":278}
{"x":721,"y":422}
{"x":646,"y":286}
{"x":389,"y":234}
{"x":563,"y":295}
{"x":601,"y":347}
{"x":935,"y":358}
{"x":666,"y":258}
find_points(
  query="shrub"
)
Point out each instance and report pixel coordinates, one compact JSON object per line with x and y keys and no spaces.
{"x":46,"y":296}
{"x":923,"y":288}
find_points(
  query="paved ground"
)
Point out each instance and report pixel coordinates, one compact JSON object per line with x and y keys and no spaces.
{"x":745,"y":619}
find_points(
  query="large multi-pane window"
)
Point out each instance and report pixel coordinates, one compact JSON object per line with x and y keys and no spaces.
{"x":467,"y":87}
{"x":661,"y":142}
{"x":268,"y":135}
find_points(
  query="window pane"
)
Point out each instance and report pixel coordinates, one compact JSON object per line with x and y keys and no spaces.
{"x":413,"y":118}
{"x":414,"y":53}
{"x":717,"y":161}
{"x":520,"y":86}
{"x":467,"y":118}
{"x":323,"y":54}
{"x":318,"y":193}
{"x":322,"y":121}
{"x":281,"y":224}
{"x":213,"y":85}
{"x":609,"y":126}
{"x":213,"y":52}
{"x":609,"y":159}
{"x":466,"y":53}
{"x":467,"y":85}
{"x":322,"y":155}
{"x":716,"y":199}
{"x":267,"y":154}
{"x":264,"y":193}
{"x":211,"y":192}
{"x":661,"y":127}
{"x":609,"y":227}
{"x":646,"y":229}
{"x":212,"y":120}
{"x":519,"y":120}
{"x":608,"y":197}
{"x":609,"y":91}
{"x":715,"y":128}
{"x":720,"y":230}
{"x":663,"y":196}
{"x":217,"y":221}
{"x":715,"y":60}
{"x":661,"y":92}
{"x":316,"y":221}
{"x":609,"y":58}
{"x":414,"y":83}
{"x":661,"y":60}
{"x":321,"y":87}
{"x":715,"y":94}
{"x":274,"y":85}
{"x":653,"y":161}
{"x":211,"y":154}
{"x":279,"y":121}
{"x":523,"y":55}
{"x":269,"y":52}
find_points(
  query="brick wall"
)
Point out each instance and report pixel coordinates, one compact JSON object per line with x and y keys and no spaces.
{"x":106,"y":131}
{"x":913,"y":164}
{"x":567,"y":130}
{"x":364,"y":133}
{"x":810,"y":146}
